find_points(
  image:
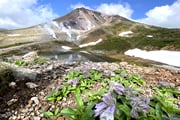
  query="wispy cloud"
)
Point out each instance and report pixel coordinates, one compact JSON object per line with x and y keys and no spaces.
{"x":166,"y":16}
{"x":23,"y":13}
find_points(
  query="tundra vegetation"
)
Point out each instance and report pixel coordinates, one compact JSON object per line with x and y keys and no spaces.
{"x":112,"y":95}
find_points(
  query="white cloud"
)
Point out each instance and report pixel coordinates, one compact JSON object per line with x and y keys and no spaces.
{"x":165,"y":16}
{"x":116,"y":9}
{"x":109,"y":9}
{"x":23,"y":13}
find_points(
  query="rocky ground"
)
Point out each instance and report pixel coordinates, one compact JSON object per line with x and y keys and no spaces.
{"x":25,"y":98}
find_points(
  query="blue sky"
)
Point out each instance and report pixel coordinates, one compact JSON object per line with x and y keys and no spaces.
{"x":24,"y":13}
{"x":140,"y":7}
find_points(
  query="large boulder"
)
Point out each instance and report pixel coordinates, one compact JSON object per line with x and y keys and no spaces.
{"x":30,"y":57}
{"x":19,"y":72}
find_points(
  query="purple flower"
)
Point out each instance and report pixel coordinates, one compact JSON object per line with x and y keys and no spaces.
{"x":139,"y":105}
{"x":99,"y":108}
{"x":86,"y":74}
{"x":60,"y":87}
{"x":134,"y":113}
{"x":108,"y":99}
{"x":117,"y":87}
{"x":73,"y":82}
{"x":105,"y":108}
{"x":108,"y":114}
{"x":109,"y":72}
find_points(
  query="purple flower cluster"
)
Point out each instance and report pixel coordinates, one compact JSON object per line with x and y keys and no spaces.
{"x":139,"y":105}
{"x":109,"y":73}
{"x":106,"y":108}
{"x":73,"y":82}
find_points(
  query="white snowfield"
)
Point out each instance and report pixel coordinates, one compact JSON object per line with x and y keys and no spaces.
{"x":13,"y":35}
{"x":163,"y":56}
{"x":125,"y":34}
{"x":90,"y":43}
{"x":66,"y":47}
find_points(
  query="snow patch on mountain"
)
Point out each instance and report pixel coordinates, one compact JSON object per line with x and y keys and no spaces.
{"x":66,"y":30}
{"x":50,"y":30}
{"x":149,"y":36}
{"x":13,"y":35}
{"x":66,"y":47}
{"x":125,"y":34}
{"x":90,"y":43}
{"x":89,"y":25}
{"x":163,"y":56}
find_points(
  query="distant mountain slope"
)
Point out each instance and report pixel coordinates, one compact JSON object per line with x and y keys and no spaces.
{"x":87,"y":27}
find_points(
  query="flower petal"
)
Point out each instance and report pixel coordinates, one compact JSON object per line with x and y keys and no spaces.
{"x":108,"y":114}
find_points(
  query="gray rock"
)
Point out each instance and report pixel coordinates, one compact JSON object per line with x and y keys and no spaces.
{"x":36,"y":100}
{"x":37,"y":118}
{"x":12,"y":101}
{"x":19,"y":72}
{"x":31,"y":85}
{"x":29,"y":57}
{"x":12,"y":84}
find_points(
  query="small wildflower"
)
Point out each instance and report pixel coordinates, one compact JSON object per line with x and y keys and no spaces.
{"x":99,"y":108}
{"x":86,"y":74}
{"x":60,"y":87}
{"x":108,"y":114}
{"x":117,"y":87}
{"x":106,"y":108}
{"x":109,"y":73}
{"x":73,"y":82}
{"x":139,"y":105}
{"x":108,"y":99}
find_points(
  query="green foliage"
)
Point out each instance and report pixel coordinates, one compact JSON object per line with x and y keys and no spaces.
{"x":80,"y":82}
{"x":82,"y":112}
{"x":38,"y":60}
{"x":52,"y":115}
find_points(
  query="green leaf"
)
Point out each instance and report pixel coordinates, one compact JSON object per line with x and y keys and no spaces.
{"x":69,"y":112}
{"x":78,"y":98}
{"x":158,"y":111}
{"x":125,"y":109}
{"x":48,"y":114}
{"x":56,"y":112}
{"x":51,"y":98}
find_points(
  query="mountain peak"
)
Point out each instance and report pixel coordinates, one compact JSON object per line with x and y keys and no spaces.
{"x":85,"y":19}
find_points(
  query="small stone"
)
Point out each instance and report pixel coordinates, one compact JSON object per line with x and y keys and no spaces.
{"x":31,"y":109}
{"x":24,"y":110}
{"x":12,"y":101}
{"x":164,"y":83}
{"x":60,"y":118}
{"x":44,"y":108}
{"x":36,"y":100}
{"x":12,"y":84}
{"x":26,"y":118}
{"x":30,"y":102}
{"x":31,"y":85}
{"x":49,"y":68}
{"x":178,"y":88}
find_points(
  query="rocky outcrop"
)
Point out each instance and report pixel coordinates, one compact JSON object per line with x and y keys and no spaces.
{"x":20,"y":72}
